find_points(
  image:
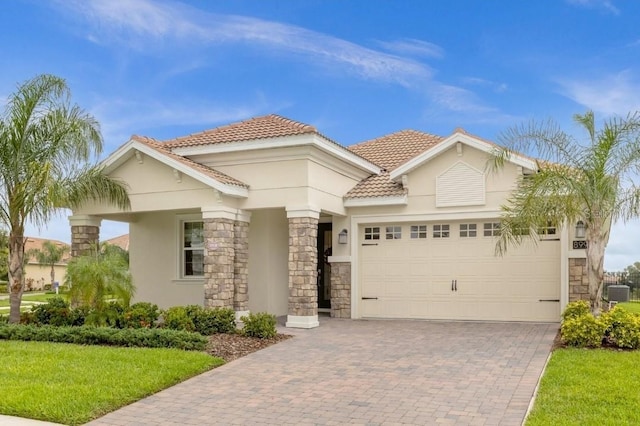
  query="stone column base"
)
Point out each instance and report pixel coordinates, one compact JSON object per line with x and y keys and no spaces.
{"x":296,"y":321}
{"x":239,"y":322}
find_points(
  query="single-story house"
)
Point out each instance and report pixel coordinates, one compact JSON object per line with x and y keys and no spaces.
{"x":269,"y":214}
{"x":38,"y":275}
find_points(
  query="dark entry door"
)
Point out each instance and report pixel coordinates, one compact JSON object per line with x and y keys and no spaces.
{"x":324,"y":268}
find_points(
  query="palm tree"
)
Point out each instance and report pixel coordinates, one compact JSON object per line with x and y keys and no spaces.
{"x":592,"y":182}
{"x":50,"y":254}
{"x":94,"y":276}
{"x":46,"y":144}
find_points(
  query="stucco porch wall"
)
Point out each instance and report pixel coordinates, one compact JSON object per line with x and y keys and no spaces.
{"x":154,"y":261}
{"x":268,"y":261}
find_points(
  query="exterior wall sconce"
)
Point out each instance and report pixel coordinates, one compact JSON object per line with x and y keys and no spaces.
{"x":343,"y":237}
{"x":581,"y":229}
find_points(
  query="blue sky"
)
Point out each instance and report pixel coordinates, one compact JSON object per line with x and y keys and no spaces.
{"x":354,"y":69}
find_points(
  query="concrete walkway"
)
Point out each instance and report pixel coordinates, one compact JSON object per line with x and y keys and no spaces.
{"x":365,"y":372}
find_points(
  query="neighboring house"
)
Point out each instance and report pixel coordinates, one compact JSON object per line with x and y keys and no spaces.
{"x":270,"y":215}
{"x":37,"y":275}
{"x":121,"y":241}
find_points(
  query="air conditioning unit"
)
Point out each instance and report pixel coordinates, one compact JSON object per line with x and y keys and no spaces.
{"x":618,"y":293}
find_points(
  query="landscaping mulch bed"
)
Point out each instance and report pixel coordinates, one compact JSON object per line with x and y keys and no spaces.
{"x":234,"y":346}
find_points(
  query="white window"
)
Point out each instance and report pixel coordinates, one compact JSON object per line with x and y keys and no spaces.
{"x":492,"y":229}
{"x":393,"y":232}
{"x":468,"y":230}
{"x":547,"y":230}
{"x":418,"y":231}
{"x":192,"y":250}
{"x":372,"y":233}
{"x":440,"y":231}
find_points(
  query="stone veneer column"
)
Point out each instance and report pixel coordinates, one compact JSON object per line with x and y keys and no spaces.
{"x":218,"y":260}
{"x":241,"y":264}
{"x":303,"y":264}
{"x":85,"y":234}
{"x":341,"y":289}
{"x":578,"y":280}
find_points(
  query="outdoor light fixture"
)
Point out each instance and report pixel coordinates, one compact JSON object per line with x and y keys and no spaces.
{"x":342,"y":237}
{"x":580,"y":229}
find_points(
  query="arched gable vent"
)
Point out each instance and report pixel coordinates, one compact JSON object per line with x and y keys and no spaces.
{"x":460,"y":185}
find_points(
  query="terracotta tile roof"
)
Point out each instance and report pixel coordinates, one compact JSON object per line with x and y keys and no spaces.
{"x":33,"y":243}
{"x":376,"y":186}
{"x":160,"y":147}
{"x":392,"y":150}
{"x":268,"y":126}
{"x":121,"y":241}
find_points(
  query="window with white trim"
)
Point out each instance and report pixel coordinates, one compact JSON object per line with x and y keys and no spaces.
{"x":418,"y":231}
{"x":372,"y":233}
{"x":547,"y":230}
{"x":393,"y":232}
{"x":468,"y":230}
{"x":440,"y":231}
{"x":192,"y":249}
{"x":492,"y":229}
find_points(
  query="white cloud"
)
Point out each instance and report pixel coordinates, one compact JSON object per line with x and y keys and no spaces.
{"x":612,"y":94}
{"x":477,"y":81}
{"x":411,"y":46}
{"x":597,"y":4}
{"x":623,"y":248}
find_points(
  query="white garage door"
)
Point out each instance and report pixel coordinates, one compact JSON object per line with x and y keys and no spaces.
{"x":449,"y":270}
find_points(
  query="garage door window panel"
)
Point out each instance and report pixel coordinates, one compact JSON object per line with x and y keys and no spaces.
{"x":372,"y":233}
{"x":393,"y":232}
{"x":440,"y":231}
{"x":418,"y":231}
{"x":492,"y":229}
{"x":468,"y":230}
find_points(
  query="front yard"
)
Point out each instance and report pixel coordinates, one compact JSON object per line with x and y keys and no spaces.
{"x":72,"y":384}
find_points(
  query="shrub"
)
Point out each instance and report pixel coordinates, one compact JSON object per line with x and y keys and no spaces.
{"x":583,"y":331}
{"x":55,"y":312}
{"x":211,"y":321}
{"x":85,"y":335}
{"x":262,"y":325}
{"x":622,"y":328}
{"x":176,"y":318}
{"x":141,"y":315}
{"x":576,"y":309}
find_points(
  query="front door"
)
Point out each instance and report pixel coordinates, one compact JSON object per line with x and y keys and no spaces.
{"x":324,"y":268}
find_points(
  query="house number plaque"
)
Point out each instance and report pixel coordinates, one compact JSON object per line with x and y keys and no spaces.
{"x":579,"y":244}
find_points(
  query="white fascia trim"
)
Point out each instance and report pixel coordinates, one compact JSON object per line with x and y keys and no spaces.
{"x":113,"y":160}
{"x":376,"y":201}
{"x":296,"y":321}
{"x":303,"y":211}
{"x":448,"y":143}
{"x":283,"y":142}
{"x":84,"y":220}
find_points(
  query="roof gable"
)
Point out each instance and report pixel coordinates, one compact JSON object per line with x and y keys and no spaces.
{"x":458,"y":136}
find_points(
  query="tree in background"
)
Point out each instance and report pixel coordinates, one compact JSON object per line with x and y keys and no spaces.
{"x":4,"y":256}
{"x":46,"y":145}
{"x":50,"y":254}
{"x":593,"y":182}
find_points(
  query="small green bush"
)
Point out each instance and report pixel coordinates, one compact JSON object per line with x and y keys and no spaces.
{"x":262,"y":325}
{"x":176,"y":318}
{"x":583,"y":331}
{"x":576,"y":309}
{"x":141,"y":315}
{"x":622,"y":328}
{"x":208,"y":321}
{"x":55,"y":312}
{"x":85,"y":335}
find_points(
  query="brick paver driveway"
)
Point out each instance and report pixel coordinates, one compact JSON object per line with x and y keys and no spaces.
{"x":365,"y":372}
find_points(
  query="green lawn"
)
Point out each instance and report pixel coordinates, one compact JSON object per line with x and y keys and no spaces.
{"x":589,"y":387}
{"x":630,"y":306}
{"x":73,"y":384}
{"x":38,"y":297}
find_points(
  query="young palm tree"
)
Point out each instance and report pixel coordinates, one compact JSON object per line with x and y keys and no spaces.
{"x":94,"y":276}
{"x":50,"y":254}
{"x":594,"y":182}
{"x":46,"y":144}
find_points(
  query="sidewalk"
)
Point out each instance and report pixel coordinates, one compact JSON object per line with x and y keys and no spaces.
{"x":19,"y":421}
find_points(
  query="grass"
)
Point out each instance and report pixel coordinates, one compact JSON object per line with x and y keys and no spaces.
{"x":41,"y":297}
{"x":630,"y":306}
{"x":73,"y":384}
{"x":589,"y":387}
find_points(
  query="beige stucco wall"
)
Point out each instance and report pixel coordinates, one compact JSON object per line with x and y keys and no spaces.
{"x":268,"y":261}
{"x":39,"y":272}
{"x":153,"y":259}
